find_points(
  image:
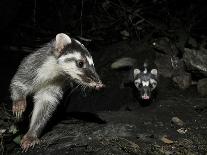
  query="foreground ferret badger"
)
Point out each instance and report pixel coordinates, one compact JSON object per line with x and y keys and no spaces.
{"x":142,"y":81}
{"x":44,"y":73}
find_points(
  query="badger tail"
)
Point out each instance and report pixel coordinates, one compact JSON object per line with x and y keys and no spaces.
{"x":125,"y":62}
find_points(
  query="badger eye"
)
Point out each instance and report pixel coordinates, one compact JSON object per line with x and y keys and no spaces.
{"x":80,"y":64}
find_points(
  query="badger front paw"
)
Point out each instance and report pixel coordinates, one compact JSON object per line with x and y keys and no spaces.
{"x":28,"y":141}
{"x":18,"y":108}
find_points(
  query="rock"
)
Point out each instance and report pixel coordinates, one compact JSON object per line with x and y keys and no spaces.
{"x":192,"y":43}
{"x":195,"y":60}
{"x":165,"y":46}
{"x":123,"y":62}
{"x":183,"y":80}
{"x":177,"y":121}
{"x":17,"y":139}
{"x":202,"y":87}
{"x":166,"y":140}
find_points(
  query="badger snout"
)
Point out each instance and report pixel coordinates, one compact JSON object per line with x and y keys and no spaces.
{"x":145,"y":97}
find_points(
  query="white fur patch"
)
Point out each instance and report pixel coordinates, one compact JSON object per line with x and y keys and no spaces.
{"x":90,"y":60}
{"x":48,"y":71}
{"x":138,"y":80}
{"x":136,"y":72}
{"x":145,"y":71}
{"x":46,"y":101}
{"x":71,"y":69}
{"x":153,"y":81}
{"x":75,"y":55}
{"x":145,"y":83}
{"x":154,"y":72}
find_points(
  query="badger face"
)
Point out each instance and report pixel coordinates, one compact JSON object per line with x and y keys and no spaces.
{"x":76,"y":62}
{"x":145,"y":82}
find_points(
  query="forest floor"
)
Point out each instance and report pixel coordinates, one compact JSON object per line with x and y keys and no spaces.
{"x":112,"y":122}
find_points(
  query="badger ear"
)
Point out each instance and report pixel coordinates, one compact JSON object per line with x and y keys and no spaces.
{"x":61,"y":41}
{"x":154,"y":72}
{"x":136,"y":72}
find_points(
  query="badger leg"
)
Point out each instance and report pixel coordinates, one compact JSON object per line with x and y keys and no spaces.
{"x":19,"y":107}
{"x":45,"y":103}
{"x":19,"y":92}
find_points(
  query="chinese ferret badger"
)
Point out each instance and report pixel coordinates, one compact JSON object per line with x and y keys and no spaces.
{"x":44,"y":74}
{"x":143,"y":81}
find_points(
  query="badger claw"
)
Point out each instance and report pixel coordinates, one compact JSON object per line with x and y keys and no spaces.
{"x":28,"y":141}
{"x":18,"y":108}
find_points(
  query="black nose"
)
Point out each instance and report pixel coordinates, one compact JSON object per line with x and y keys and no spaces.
{"x":99,"y":86}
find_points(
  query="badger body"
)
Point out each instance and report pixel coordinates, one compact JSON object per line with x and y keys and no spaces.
{"x":45,"y":74}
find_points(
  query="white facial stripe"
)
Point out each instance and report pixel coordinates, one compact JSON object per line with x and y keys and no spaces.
{"x":145,"y":83}
{"x":145,"y":71}
{"x":138,"y":80}
{"x":48,"y":70}
{"x":75,"y":55}
{"x":90,"y":60}
{"x":71,"y":69}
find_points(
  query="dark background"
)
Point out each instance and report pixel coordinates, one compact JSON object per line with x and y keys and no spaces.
{"x":26,"y":25}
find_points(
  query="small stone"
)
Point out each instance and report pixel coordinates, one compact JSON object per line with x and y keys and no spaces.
{"x":166,"y":140}
{"x":124,"y":33}
{"x":147,"y":123}
{"x":182,"y":130}
{"x":202,"y":87}
{"x":177,"y":121}
{"x":17,"y":139}
{"x":13,"y":129}
{"x":2,"y":131}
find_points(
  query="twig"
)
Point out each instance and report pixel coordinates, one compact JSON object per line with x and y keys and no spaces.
{"x":34,"y":12}
{"x":135,"y":14}
{"x":81,"y":18}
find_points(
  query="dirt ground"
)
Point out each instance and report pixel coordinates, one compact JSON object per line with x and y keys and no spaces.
{"x":112,"y":122}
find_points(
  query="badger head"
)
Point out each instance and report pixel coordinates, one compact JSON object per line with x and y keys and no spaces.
{"x":75,"y":61}
{"x":145,"y":82}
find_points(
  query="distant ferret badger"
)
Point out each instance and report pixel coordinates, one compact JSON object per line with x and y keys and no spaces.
{"x":45,"y":74}
{"x":143,"y":81}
